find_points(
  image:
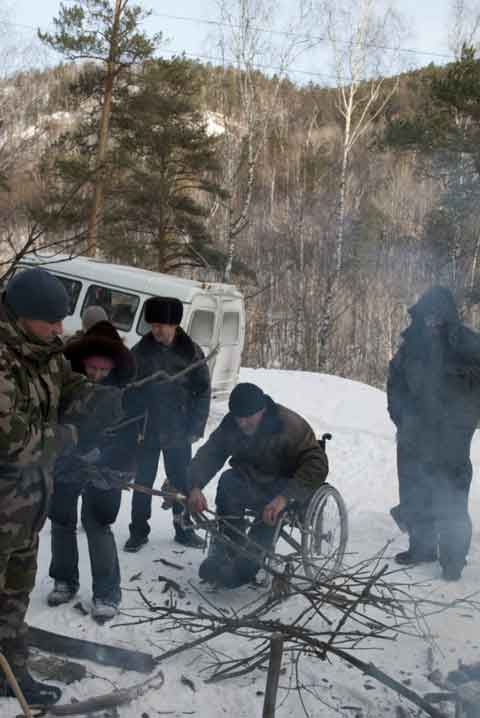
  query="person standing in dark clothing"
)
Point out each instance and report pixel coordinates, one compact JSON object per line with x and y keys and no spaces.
{"x":433,"y":393}
{"x":103,"y":358}
{"x":175,"y":415}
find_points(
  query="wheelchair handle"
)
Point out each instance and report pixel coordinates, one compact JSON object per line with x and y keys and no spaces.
{"x":323,"y":441}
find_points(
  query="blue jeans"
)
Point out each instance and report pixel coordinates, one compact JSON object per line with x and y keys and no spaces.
{"x":99,"y":510}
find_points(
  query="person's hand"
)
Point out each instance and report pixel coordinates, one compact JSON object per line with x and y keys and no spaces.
{"x":196,"y":502}
{"x":272,"y":511}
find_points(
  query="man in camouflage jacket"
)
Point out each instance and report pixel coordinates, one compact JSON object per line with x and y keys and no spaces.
{"x":37,"y":390}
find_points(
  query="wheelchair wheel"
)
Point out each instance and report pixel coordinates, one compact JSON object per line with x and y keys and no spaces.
{"x":325,"y":533}
{"x":287,"y":556}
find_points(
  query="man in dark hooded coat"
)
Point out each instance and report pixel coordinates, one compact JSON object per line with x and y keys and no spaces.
{"x":434,"y":400}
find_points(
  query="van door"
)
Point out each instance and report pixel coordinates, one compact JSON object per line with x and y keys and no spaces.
{"x":203,"y":326}
{"x":231,"y":336}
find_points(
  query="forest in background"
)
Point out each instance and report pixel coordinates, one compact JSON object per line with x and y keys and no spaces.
{"x":331,"y":207}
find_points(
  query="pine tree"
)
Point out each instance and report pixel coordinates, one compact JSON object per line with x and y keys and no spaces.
{"x":167,"y":164}
{"x":107,"y":34}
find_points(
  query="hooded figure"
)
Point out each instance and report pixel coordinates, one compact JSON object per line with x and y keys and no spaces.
{"x":100,"y":355}
{"x":434,"y":401}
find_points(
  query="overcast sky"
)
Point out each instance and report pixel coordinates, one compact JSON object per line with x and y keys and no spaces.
{"x":184,"y":23}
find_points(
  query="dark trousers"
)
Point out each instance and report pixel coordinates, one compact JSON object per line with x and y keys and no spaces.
{"x":176,"y":460}
{"x":99,"y":510}
{"x":23,"y":502}
{"x":235,"y":494}
{"x":434,"y":502}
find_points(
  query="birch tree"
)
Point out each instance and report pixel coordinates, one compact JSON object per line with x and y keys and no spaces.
{"x":463,"y":26}
{"x":254,"y":36}
{"x":364,"y":37}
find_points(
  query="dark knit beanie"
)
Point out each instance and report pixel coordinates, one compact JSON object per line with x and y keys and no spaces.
{"x":246,"y":399}
{"x":37,"y":294}
{"x":163,"y":310}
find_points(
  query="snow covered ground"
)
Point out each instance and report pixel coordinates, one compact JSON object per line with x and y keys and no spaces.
{"x":362,"y":460}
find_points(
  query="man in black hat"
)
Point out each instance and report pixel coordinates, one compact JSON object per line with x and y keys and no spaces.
{"x":175,"y":415}
{"x":38,"y":390}
{"x":274,"y":457}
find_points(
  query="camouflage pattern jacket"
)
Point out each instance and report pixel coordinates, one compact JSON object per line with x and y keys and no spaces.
{"x":38,"y":390}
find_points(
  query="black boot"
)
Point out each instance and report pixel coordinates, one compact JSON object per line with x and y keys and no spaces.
{"x":184,"y":533}
{"x":218,"y":567}
{"x":134,"y":543}
{"x":188,"y":537}
{"x":252,"y":557}
{"x":36,"y":693}
{"x":452,"y":572}
{"x":452,"y":569}
{"x":413,"y":557}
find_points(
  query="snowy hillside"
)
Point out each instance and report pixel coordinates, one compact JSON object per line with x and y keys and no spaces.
{"x":362,"y":460}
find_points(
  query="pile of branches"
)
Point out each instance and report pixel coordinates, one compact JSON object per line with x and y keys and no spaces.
{"x":333,"y":617}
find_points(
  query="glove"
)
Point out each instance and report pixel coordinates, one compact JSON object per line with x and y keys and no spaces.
{"x":91,"y":457}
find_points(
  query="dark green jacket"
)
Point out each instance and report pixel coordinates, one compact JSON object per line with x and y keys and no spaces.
{"x":283,"y":447}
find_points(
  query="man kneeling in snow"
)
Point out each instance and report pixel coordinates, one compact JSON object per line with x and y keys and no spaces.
{"x":274,"y":457}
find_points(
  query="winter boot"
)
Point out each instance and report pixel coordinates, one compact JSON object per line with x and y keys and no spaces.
{"x":251,"y":559}
{"x":135,"y":543}
{"x":36,"y":693}
{"x":452,"y":572}
{"x":104,"y":609}
{"x":218,"y":567}
{"x":62,"y":592}
{"x":188,"y":537}
{"x":184,"y":533}
{"x":413,"y":557}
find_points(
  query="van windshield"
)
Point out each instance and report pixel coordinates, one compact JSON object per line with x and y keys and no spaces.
{"x":120,"y":307}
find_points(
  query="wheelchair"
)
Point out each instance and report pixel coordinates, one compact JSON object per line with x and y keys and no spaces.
{"x":308,"y":543}
{"x":311,"y":539}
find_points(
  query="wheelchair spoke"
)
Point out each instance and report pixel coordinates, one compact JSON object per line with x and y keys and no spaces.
{"x":326,"y":532}
{"x":290,"y":540}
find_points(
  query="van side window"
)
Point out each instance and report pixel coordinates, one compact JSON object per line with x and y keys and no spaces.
{"x":142,"y":326}
{"x":201,"y":327}
{"x":230,"y":332}
{"x":119,"y":306}
{"x":73,"y":290}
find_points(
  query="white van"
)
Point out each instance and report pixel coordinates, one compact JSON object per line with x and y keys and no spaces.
{"x":213,"y":313}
